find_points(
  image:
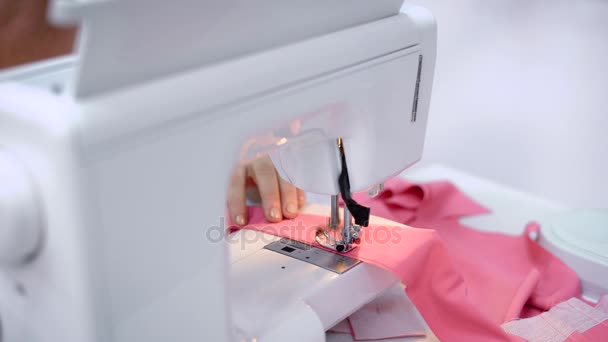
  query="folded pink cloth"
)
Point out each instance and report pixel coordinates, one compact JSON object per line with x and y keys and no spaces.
{"x":503,"y":273}
{"x":464,"y":283}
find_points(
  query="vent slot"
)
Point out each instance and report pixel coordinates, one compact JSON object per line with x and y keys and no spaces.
{"x":417,"y":90}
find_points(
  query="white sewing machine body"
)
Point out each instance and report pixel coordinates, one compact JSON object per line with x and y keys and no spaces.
{"x":130,"y":182}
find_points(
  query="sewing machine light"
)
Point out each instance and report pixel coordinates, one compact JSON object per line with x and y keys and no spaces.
{"x":282,"y":141}
{"x":269,"y":142}
{"x":20,"y":219}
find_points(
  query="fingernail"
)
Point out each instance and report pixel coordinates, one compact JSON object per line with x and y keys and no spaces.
{"x":240,"y":220}
{"x":302,"y":199}
{"x":291,"y":208}
{"x":274,"y":213}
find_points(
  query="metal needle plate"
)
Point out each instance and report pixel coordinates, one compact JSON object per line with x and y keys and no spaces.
{"x":313,"y":255}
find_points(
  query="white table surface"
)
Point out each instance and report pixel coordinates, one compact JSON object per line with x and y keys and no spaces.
{"x":520,"y":95}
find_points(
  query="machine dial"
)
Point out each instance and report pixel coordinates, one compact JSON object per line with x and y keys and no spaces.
{"x":20,"y":213}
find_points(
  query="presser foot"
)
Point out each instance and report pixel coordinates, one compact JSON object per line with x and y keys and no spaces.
{"x":348,"y":237}
{"x":344,"y":243}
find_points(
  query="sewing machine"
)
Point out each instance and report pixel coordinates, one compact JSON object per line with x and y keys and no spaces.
{"x":114,"y":180}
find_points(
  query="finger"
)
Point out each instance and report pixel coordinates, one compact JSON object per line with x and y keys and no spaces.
{"x":237,"y":206}
{"x":267,"y":181}
{"x":301,"y":198}
{"x":289,"y":198}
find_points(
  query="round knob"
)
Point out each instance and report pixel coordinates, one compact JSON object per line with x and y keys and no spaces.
{"x":20,"y":214}
{"x":340,"y":248}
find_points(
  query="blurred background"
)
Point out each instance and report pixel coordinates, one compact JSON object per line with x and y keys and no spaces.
{"x":521,"y":95}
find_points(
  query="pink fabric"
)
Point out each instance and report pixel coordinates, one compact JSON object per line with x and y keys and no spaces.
{"x":503,"y":273}
{"x":419,"y":258}
{"x":464,"y":283}
{"x":598,"y":333}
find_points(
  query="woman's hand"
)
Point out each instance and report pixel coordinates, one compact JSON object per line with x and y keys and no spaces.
{"x":279,"y":198}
